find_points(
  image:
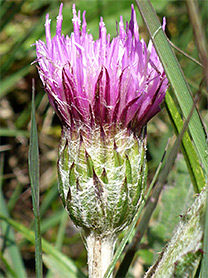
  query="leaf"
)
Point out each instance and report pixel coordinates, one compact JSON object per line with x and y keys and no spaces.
{"x":8,"y":239}
{"x":181,"y":256}
{"x":13,"y":132}
{"x":57,"y":269}
{"x":193,"y":164}
{"x":47,"y":248}
{"x":8,"y":83}
{"x":33,"y":161}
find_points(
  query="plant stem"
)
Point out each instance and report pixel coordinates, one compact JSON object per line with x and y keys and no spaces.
{"x":100,"y":252}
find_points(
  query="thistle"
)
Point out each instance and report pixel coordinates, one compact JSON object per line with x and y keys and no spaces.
{"x":104,"y":92}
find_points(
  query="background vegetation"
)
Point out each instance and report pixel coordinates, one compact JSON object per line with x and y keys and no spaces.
{"x":22,"y":23}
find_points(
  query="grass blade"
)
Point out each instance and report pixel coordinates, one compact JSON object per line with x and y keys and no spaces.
{"x":176,"y":77}
{"x":192,"y":162}
{"x":47,"y":248}
{"x":9,"y":82}
{"x":11,"y":7}
{"x":193,"y":10}
{"x":57,"y":269}
{"x":8,"y":267}
{"x":33,"y":161}
{"x":8,"y":238}
{"x":13,"y":132}
{"x":60,"y":238}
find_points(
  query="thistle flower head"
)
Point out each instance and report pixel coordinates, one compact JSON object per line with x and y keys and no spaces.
{"x":118,"y":82}
{"x":98,"y":88}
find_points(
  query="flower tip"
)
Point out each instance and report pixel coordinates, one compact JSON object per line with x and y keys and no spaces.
{"x":74,"y":10}
{"x":132,"y":12}
{"x":84,"y":23}
{"x":133,"y":26}
{"x":101,"y":21}
{"x":47,"y":22}
{"x":60,"y":10}
{"x":164,"y":23}
{"x":59,"y":21}
{"x":83,"y":18}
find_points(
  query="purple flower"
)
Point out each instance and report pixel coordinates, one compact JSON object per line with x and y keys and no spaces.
{"x":118,"y":82}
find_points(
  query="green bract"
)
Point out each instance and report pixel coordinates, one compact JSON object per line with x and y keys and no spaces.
{"x":102,"y":178}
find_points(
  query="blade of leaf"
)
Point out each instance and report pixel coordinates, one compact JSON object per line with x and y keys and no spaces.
{"x":33,"y":161}
{"x":60,"y":238}
{"x":9,"y":82}
{"x":52,"y":221}
{"x":49,"y":198}
{"x":175,"y":76}
{"x":13,"y":9}
{"x":47,"y":247}
{"x":192,"y":162}
{"x":57,"y":269}
{"x":62,"y":229}
{"x":193,"y":10}
{"x":8,"y":267}
{"x":7,"y":232}
{"x":14,"y":197}
{"x":13,"y":132}
{"x":181,"y":256}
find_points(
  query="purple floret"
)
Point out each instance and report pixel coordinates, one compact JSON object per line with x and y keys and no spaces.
{"x":118,"y":82}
